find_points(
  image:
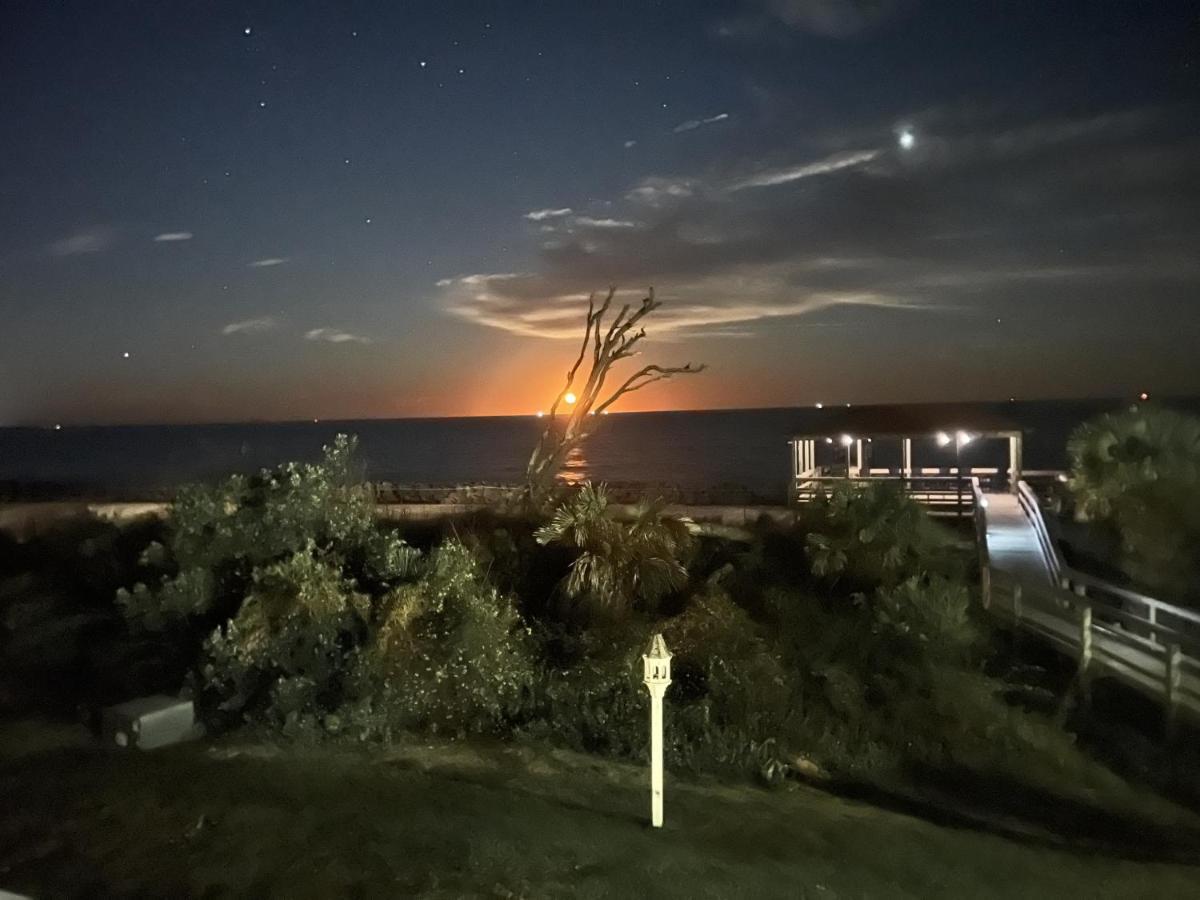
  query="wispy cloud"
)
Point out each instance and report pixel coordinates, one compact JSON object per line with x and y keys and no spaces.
{"x":250,"y":326}
{"x":169,"y":237}
{"x":89,"y":240}
{"x":267,"y":262}
{"x":532,"y":307}
{"x":879,"y":230}
{"x":693,"y":124}
{"x":540,"y":215}
{"x":589,"y":222}
{"x":833,"y":163}
{"x":655,"y":191}
{"x":335,"y":336}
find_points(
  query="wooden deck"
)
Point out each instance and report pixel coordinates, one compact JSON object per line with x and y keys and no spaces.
{"x":1149,"y":645}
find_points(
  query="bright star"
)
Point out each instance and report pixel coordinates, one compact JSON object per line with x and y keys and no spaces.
{"x":125,"y":355}
{"x":907,"y":139}
{"x":422,"y":64}
{"x":246,"y":30}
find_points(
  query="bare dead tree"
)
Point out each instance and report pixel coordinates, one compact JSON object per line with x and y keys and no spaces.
{"x":604,"y":348}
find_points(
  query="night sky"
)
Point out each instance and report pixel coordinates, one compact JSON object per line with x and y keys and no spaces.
{"x":216,"y":212}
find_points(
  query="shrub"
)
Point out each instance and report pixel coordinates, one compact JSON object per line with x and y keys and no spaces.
{"x":927,"y":620}
{"x":742,"y":700}
{"x":597,"y":704}
{"x":447,"y":653}
{"x":284,"y":654}
{"x":1139,"y":471}
{"x":726,"y":709}
{"x":619,"y":563}
{"x":860,"y":537}
{"x":270,"y":585}
{"x":219,"y":535}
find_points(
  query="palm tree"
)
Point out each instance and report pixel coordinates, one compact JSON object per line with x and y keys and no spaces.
{"x":1139,"y":470}
{"x":619,"y":562}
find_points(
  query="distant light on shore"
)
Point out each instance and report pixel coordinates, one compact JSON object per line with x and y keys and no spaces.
{"x":820,"y":406}
{"x":540,"y":413}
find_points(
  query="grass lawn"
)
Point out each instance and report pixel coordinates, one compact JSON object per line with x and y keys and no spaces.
{"x":238,"y":817}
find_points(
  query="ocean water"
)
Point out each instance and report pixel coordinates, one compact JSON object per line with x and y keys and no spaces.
{"x":692,"y":450}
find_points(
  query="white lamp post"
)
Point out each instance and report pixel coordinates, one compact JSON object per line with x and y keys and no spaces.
{"x":961,"y":439}
{"x":657,"y":662}
{"x":847,"y":441}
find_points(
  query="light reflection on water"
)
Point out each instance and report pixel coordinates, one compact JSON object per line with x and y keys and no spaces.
{"x":575,"y":468}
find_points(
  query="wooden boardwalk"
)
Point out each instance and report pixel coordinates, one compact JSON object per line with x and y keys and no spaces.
{"x":1149,"y":645}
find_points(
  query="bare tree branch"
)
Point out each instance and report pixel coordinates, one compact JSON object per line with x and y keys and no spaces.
{"x":620,"y":341}
{"x":650,"y":374}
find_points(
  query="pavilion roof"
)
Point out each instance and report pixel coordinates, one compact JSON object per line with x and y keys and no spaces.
{"x":910,"y":420}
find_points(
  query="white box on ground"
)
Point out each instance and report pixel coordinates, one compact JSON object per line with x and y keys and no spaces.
{"x":149,"y":722}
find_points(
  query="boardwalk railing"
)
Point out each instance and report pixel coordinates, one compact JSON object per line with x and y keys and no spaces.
{"x":1149,"y":645}
{"x":941,"y":491}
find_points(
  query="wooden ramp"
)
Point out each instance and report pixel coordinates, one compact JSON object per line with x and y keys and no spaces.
{"x":1149,"y":645}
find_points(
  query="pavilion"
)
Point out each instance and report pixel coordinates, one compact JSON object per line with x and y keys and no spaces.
{"x":933,"y":451}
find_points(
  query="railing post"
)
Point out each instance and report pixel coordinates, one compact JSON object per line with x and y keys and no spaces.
{"x":1080,"y":591}
{"x":1085,"y":653}
{"x":985,"y":584}
{"x":1173,"y":674}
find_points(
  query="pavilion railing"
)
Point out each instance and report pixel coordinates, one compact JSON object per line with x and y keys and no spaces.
{"x":941,"y":490}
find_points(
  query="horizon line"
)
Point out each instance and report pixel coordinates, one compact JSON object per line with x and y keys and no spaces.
{"x":810,"y":405}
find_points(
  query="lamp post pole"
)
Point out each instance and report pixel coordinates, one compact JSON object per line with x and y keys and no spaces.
{"x":657,"y":663}
{"x":958,"y":474}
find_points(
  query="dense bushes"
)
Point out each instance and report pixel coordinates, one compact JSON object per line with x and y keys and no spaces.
{"x":305,"y":613}
{"x":845,"y":642}
{"x":448,"y":653}
{"x":860,"y":537}
{"x":1138,"y":472}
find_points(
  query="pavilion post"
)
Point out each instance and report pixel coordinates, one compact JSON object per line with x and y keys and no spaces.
{"x":858,"y":452}
{"x":906,"y":458}
{"x":1014,"y":461}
